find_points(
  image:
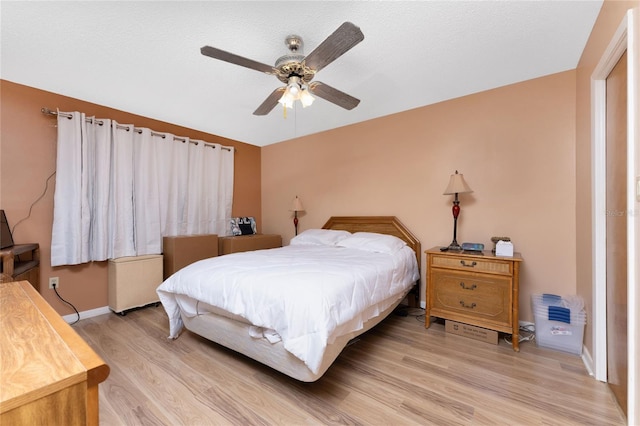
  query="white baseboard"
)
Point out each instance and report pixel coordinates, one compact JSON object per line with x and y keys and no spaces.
{"x":87,"y":314}
{"x":588,"y":361}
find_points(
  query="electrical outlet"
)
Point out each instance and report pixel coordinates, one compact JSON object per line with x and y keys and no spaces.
{"x":54,"y":281}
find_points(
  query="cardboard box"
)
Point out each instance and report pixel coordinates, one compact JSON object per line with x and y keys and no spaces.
{"x":249,"y":242}
{"x":182,"y":250}
{"x":471,"y":331}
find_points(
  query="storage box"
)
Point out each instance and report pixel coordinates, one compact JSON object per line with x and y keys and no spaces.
{"x":559,"y":335}
{"x":182,"y":250}
{"x":241,"y":243}
{"x":471,"y":331}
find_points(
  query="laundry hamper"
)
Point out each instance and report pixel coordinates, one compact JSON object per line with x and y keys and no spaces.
{"x":133,"y":282}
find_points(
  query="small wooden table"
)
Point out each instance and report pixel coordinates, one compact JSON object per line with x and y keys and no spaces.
{"x":480,"y":289}
{"x":21,"y":262}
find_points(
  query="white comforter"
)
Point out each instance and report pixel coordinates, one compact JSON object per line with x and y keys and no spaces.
{"x":307,"y":294}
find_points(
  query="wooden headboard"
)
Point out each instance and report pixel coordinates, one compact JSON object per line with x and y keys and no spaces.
{"x":381,"y":224}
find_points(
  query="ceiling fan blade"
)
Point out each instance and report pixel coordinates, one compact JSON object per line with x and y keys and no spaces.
{"x":222,"y":55}
{"x":335,"y":96}
{"x":269,"y":103}
{"x":344,"y":38}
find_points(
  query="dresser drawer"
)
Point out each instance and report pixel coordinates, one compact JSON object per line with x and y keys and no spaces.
{"x":495,"y":266}
{"x":483,"y":296}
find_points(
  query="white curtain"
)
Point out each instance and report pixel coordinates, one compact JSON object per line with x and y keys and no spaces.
{"x":120,"y":189}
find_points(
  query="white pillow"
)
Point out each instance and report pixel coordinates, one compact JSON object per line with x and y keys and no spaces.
{"x":371,"y":241}
{"x":319,"y":237}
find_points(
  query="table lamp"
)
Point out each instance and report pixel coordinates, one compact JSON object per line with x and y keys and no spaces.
{"x":296,"y":207}
{"x":457,"y":185}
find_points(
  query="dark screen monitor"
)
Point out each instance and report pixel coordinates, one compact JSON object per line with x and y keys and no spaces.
{"x":6,"y":239}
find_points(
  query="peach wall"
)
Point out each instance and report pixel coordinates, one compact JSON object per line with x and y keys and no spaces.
{"x":28,"y":158}
{"x":514,"y":145}
{"x":608,"y":21}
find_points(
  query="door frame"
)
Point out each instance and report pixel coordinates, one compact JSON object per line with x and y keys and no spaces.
{"x":625,"y":39}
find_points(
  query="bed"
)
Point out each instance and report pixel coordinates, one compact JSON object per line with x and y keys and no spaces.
{"x":295,"y":308}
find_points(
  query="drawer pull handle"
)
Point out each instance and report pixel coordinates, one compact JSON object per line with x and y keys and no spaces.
{"x":465,"y":287}
{"x":471,"y":265}
{"x":471,"y":306}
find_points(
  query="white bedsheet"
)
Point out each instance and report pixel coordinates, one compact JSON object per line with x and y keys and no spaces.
{"x":307,"y":294}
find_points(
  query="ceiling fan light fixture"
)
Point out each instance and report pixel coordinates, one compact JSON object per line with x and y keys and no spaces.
{"x":306,"y":99}
{"x":294,"y":88}
{"x":286,"y":100}
{"x":295,"y":91}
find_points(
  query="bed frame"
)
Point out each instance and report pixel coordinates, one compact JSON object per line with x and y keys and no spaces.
{"x":234,"y":334}
{"x":381,"y":224}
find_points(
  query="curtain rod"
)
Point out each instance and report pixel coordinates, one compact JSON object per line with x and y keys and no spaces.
{"x":48,"y":111}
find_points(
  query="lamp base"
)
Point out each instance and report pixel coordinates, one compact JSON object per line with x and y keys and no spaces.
{"x":454,"y":246}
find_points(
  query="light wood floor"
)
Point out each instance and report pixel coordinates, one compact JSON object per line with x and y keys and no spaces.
{"x":397,"y":374}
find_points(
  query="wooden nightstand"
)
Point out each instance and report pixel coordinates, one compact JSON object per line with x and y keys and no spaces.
{"x":479,"y":289}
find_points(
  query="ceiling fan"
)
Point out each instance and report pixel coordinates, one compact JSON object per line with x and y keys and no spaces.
{"x":297,"y":71}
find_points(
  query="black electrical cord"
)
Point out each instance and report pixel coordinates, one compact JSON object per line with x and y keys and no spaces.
{"x":55,"y":288}
{"x":46,"y":187}
{"x":406,"y":311}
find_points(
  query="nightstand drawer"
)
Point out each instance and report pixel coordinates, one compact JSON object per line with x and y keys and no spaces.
{"x":487,"y":297}
{"x":475,"y":264}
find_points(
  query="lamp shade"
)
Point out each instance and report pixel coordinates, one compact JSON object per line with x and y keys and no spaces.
{"x":457,"y":185}
{"x":297,"y":206}
{"x":306,"y":99}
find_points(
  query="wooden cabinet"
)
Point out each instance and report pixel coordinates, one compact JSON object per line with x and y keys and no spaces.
{"x":21,"y":262}
{"x":48,"y":374}
{"x":240,"y":243}
{"x":479,"y":289}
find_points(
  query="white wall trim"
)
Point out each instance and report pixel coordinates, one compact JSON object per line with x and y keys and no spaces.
{"x":598,"y":214}
{"x":610,"y":57}
{"x":587,"y":360}
{"x":625,"y":39}
{"x":633,"y":203}
{"x":71,"y":318}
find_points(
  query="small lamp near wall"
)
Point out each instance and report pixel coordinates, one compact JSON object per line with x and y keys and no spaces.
{"x":457,"y":185}
{"x":296,"y":207}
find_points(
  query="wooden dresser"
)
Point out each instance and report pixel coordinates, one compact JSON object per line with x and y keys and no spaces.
{"x":479,"y":289}
{"x":48,"y":373}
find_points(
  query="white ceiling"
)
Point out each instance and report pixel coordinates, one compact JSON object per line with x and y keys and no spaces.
{"x":144,"y":57}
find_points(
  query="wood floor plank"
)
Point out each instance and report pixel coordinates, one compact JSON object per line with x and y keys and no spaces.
{"x":398,"y":373}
